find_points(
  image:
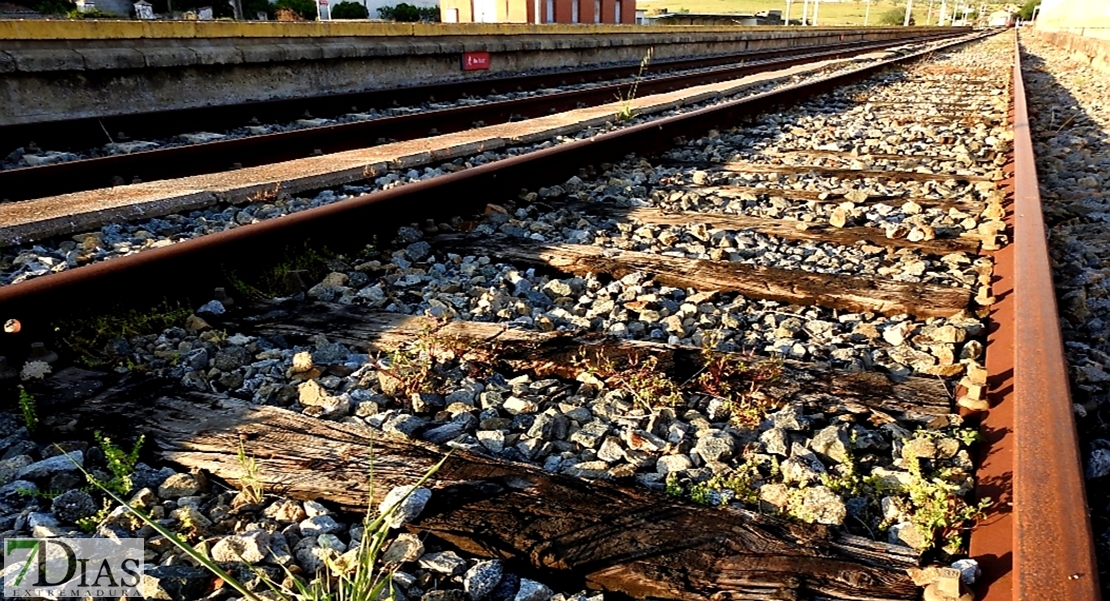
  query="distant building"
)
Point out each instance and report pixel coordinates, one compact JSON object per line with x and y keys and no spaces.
{"x":537,"y":11}
{"x":1000,"y":18}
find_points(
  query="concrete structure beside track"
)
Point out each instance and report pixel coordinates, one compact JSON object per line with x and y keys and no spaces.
{"x":1081,"y":27}
{"x":55,"y":70}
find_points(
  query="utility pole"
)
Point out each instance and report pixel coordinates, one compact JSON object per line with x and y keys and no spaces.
{"x":867,"y":14}
{"x":909,"y":13}
{"x":816,"y":6}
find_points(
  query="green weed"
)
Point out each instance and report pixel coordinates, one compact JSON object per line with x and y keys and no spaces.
{"x":250,"y":485}
{"x":89,"y":524}
{"x":88,"y":336}
{"x":303,"y":265}
{"x":360,"y":576}
{"x":28,"y":409}
{"x":119,"y":463}
{"x":626,"y":112}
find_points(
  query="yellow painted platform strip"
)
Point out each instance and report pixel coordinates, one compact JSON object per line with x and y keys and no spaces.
{"x":46,"y":29}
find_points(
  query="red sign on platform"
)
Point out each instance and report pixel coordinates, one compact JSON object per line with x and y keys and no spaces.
{"x":475,"y":61}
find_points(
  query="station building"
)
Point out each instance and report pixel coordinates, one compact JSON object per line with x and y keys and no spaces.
{"x":538,"y":11}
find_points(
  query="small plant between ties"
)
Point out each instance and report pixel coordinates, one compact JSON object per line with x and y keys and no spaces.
{"x":626,"y":112}
{"x":250,"y":485}
{"x":27,"y":409}
{"x":361,"y":576}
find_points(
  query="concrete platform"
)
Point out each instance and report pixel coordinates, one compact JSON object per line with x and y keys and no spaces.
{"x":72,"y":69}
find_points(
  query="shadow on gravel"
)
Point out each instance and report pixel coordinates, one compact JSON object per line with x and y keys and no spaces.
{"x":1073,"y":155}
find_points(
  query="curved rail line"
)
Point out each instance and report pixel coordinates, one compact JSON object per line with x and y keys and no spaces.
{"x":193,"y":159}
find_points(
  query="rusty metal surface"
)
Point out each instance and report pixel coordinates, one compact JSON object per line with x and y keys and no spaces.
{"x":179,"y":161}
{"x":1053,"y":552}
{"x":992,"y":537}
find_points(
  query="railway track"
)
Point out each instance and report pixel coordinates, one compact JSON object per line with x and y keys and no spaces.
{"x":208,"y":152}
{"x":749,"y":360}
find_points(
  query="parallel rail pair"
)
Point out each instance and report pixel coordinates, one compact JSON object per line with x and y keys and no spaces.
{"x":1035,"y":545}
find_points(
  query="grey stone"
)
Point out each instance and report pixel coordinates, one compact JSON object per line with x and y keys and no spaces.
{"x":480,"y":580}
{"x":179,"y":485}
{"x":493,"y":440}
{"x":330,"y":353}
{"x":610,"y":451}
{"x":446,"y":562}
{"x":409,"y":502}
{"x":449,"y":431}
{"x":311,"y":555}
{"x":231,"y":358}
{"x":668,"y":464}
{"x":54,"y":465}
{"x":285,"y":511}
{"x":802,"y":467}
{"x":37,"y":519}
{"x":717,"y":445}
{"x":530,"y":590}
{"x":405,"y":424}
{"x":776,"y":441}
{"x":74,"y":505}
{"x":405,"y":548}
{"x":908,"y":535}
{"x":590,"y":434}
{"x":175,"y":583}
{"x":314,"y":508}
{"x":212,"y":308}
{"x":320,"y":524}
{"x":250,"y":547}
{"x":10,"y":467}
{"x":427,"y":402}
{"x":821,"y":505}
{"x":792,"y":418}
{"x":832,"y":442}
{"x":1098,"y":463}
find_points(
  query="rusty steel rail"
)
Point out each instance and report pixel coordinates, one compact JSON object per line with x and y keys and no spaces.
{"x":1053,"y":550}
{"x":193,"y":159}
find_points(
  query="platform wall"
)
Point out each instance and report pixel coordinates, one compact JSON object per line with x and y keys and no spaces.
{"x":53,"y":70}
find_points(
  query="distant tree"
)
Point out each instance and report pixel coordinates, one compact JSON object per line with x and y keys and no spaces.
{"x":305,"y":9}
{"x":894,"y":16}
{"x":1026,"y":11}
{"x":349,"y":10}
{"x":251,"y":8}
{"x":407,"y":13}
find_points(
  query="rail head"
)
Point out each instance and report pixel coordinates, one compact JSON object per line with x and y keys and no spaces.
{"x":1053,"y":555}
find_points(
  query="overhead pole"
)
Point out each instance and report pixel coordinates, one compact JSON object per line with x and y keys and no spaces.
{"x":943,"y":12}
{"x":929,"y":15}
{"x":909,"y":13}
{"x":805,"y":13}
{"x":867,"y":14}
{"x":816,"y":6}
{"x":786,"y":18}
